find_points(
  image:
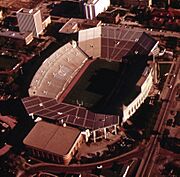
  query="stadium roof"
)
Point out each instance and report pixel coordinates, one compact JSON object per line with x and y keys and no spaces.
{"x":114,"y":42}
{"x":52,"y":138}
{"x":57,"y":71}
{"x":73,"y":115}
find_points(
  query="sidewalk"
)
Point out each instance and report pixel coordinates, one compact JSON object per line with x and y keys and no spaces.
{"x":98,"y":147}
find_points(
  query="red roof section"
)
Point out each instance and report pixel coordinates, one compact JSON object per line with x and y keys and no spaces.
{"x":65,"y":113}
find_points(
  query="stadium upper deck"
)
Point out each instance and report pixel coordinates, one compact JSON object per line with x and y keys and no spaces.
{"x":57,"y":71}
{"x":112,"y":43}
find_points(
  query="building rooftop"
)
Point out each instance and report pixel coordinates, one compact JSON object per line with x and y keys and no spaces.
{"x":114,"y":42}
{"x":13,"y":34}
{"x":52,"y":138}
{"x":66,"y":113}
{"x":27,"y":11}
{"x":76,"y":24}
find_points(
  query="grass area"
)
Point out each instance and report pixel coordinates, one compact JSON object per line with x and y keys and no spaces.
{"x":96,"y":83}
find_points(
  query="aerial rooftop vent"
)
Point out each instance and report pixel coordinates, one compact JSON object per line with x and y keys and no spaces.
{"x":136,"y":39}
{"x":40,"y":104}
{"x":117,"y":43}
{"x":60,"y":113}
{"x":31,"y":11}
{"x":136,"y":52}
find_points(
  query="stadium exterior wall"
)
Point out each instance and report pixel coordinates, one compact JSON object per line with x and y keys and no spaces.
{"x":130,"y":109}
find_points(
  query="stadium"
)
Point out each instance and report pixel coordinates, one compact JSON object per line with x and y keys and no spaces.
{"x":95,"y":83}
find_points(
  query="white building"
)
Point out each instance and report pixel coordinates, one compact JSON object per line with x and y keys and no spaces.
{"x":95,"y":7}
{"x":30,"y":20}
{"x":46,"y":22}
{"x":145,"y":83}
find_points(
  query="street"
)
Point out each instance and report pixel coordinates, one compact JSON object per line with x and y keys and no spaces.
{"x":149,"y":157}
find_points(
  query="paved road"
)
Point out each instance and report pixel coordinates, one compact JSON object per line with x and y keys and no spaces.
{"x":148,"y":159}
{"x":75,"y":168}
